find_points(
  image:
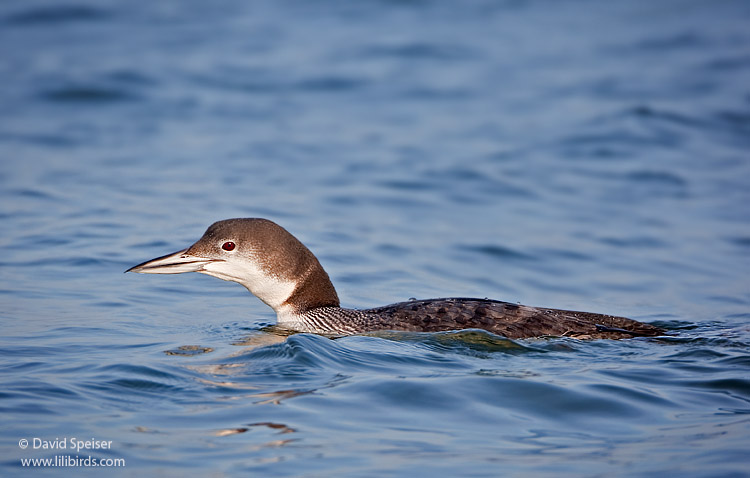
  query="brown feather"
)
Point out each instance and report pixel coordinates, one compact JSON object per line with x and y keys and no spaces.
{"x":503,"y":318}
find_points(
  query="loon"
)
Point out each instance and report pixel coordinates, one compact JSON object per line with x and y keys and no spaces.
{"x":279,"y":270}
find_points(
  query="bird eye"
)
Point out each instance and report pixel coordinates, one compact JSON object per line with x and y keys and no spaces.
{"x":228,"y":246}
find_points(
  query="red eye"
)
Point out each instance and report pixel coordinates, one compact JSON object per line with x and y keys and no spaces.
{"x":228,"y":246}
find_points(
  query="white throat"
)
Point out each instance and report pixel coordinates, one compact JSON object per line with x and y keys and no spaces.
{"x":272,"y":290}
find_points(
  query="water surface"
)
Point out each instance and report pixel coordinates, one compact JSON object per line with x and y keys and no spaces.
{"x":581,"y":155}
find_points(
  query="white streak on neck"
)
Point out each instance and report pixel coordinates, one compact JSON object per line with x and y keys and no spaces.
{"x":288,"y":318}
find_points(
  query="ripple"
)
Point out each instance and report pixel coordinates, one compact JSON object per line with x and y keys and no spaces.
{"x":633,"y":394}
{"x":88,"y":94}
{"x":421,"y":51}
{"x":49,"y":140}
{"x":135,"y":386}
{"x":499,"y":252}
{"x":34,"y":193}
{"x":56,"y":14}
{"x":663,"y":178}
{"x":116,"y":380}
{"x":421,"y":395}
{"x":555,"y":402}
{"x":312,"y":357}
{"x":331,"y":84}
{"x":637,"y":242}
{"x":679,"y":41}
{"x":137,"y":370}
{"x":729,"y":63}
{"x":737,"y":386}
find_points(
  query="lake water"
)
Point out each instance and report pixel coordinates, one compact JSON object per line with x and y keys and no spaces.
{"x":571,"y":154}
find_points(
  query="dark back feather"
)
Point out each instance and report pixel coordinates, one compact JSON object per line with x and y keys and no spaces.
{"x":504,"y":318}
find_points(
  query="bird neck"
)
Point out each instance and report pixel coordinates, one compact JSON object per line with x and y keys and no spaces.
{"x":329,"y":321}
{"x":312,"y":290}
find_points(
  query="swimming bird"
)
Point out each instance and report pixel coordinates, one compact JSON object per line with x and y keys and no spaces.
{"x":278,"y":269}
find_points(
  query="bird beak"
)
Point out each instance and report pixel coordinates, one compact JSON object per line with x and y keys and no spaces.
{"x":175,"y":263}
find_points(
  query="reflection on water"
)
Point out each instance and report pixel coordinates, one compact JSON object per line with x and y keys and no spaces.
{"x":189,"y":350}
{"x":279,"y":427}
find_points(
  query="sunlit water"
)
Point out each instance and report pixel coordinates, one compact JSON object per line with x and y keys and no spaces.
{"x":583,"y":155}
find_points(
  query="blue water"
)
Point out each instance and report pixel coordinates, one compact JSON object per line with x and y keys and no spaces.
{"x":571,"y":154}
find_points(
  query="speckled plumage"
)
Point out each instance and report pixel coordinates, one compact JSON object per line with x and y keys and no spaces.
{"x":283,"y":273}
{"x":503,"y":318}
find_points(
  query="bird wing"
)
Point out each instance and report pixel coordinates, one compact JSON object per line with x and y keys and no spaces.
{"x":504,"y":318}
